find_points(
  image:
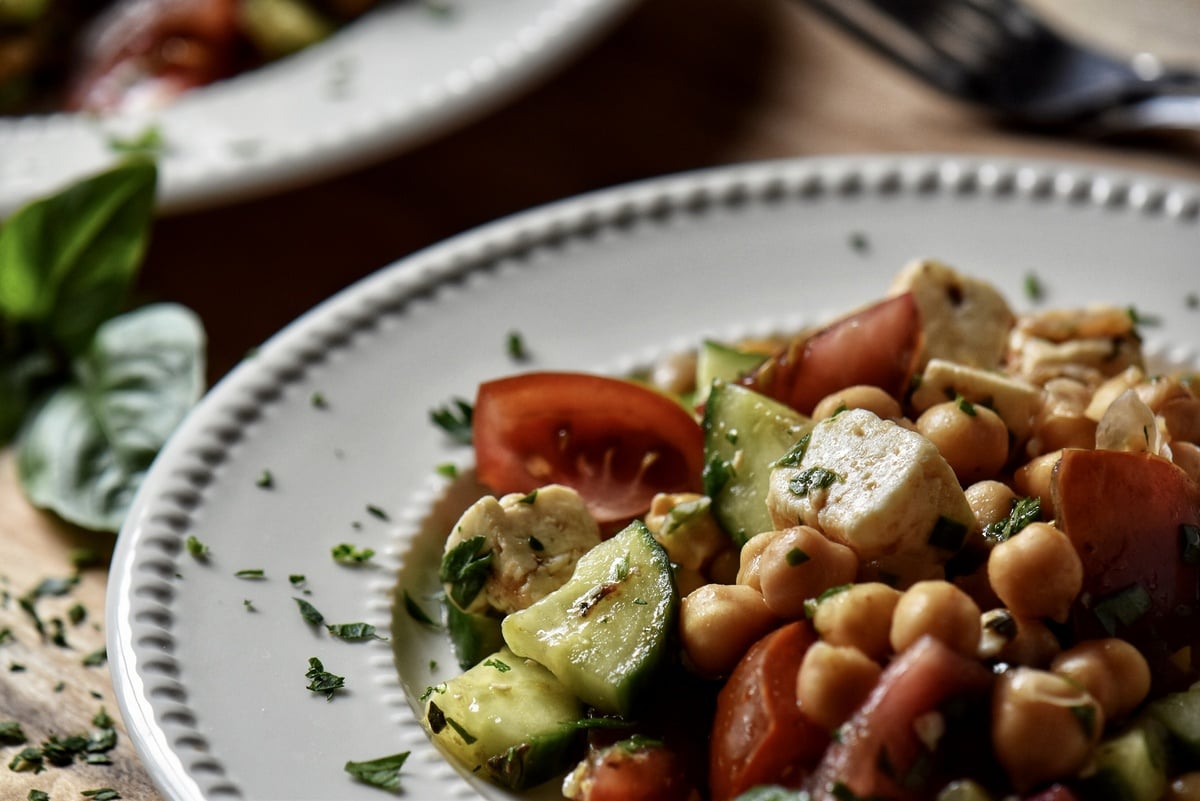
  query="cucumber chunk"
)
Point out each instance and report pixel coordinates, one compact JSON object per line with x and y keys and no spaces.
{"x":1179,"y":713}
{"x":507,"y":718}
{"x":716,"y":360}
{"x":604,"y":633}
{"x":744,"y":433}
{"x":1130,"y":766}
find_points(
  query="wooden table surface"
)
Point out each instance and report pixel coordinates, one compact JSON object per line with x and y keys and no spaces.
{"x":680,"y":84}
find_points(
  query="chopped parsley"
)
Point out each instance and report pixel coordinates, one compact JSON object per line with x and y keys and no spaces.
{"x":37,"y":795}
{"x":346,"y":554}
{"x":683,"y":513}
{"x":1034,"y":290}
{"x":515,"y":345}
{"x":530,"y":499}
{"x":27,"y":760}
{"x":814,"y":478}
{"x":76,"y":614}
{"x":321,"y":681}
{"x":448,"y":470}
{"x":466,"y":570}
{"x":95,"y":658}
{"x":353,"y":632}
{"x":797,"y":557}
{"x":1023,"y":512}
{"x":1141,"y":318}
{"x":383,"y":772}
{"x":11,"y":733}
{"x":265,"y":480}
{"x":455,"y":419}
{"x":149,"y":141}
{"x":318,"y":401}
{"x":309,"y":612}
{"x":378,"y":512}
{"x":251,"y":573}
{"x":859,"y":242}
{"x":795,"y":454}
{"x":102,"y":794}
{"x":497,"y":664}
{"x":965,"y":406}
{"x":810,"y":605}
{"x":195,"y":547}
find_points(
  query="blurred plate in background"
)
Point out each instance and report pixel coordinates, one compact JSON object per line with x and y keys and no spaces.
{"x":399,"y":76}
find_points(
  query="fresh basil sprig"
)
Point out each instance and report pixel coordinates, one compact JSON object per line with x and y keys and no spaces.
{"x":90,"y":393}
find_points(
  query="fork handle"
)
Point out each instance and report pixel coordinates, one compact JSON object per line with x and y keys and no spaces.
{"x":1170,"y":112}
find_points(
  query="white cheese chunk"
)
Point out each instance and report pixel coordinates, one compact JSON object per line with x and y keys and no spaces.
{"x":964,"y":319}
{"x":535,"y":541}
{"x":874,"y":486}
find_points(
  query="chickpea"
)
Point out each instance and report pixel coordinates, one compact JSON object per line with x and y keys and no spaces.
{"x":991,"y":501}
{"x":1062,"y":420}
{"x":833,"y":681}
{"x":1112,"y":670}
{"x":1044,"y":727}
{"x":724,"y":567}
{"x":859,"y":616}
{"x":971,"y":437}
{"x":750,"y":557}
{"x":861,"y":396}
{"x":676,"y":373}
{"x":719,"y":622}
{"x":1037,"y":572}
{"x":1016,"y":641}
{"x":941,"y":610}
{"x":800,"y":564}
{"x":1033,"y":479}
{"x":1184,"y":788}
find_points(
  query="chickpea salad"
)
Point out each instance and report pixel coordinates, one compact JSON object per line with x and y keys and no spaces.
{"x":934,"y":549}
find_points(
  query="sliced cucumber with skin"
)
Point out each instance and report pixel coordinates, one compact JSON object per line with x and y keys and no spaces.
{"x":604,"y":633}
{"x":744,"y":433}
{"x":508,"y":719}
{"x":1130,"y":766}
{"x":472,"y":636}
{"x":718,"y":361}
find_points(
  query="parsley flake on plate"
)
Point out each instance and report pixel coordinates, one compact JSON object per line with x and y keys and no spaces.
{"x":347,"y":554}
{"x":383,"y":772}
{"x":322,"y":681}
{"x":455,"y":418}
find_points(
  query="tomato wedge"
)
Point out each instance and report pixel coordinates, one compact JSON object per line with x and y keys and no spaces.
{"x":759,"y":734}
{"x":616,"y":442}
{"x":878,"y":346}
{"x":1134,"y":518}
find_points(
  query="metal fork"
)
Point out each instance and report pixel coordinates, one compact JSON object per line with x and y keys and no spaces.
{"x":998,"y":54}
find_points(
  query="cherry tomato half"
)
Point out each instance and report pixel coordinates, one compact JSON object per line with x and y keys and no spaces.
{"x":615,"y":442}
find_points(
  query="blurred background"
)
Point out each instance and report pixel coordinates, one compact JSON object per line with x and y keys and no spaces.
{"x":678,"y":85}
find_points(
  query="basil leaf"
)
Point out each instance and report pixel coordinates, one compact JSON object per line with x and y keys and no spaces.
{"x":84,"y":452}
{"x":67,"y":261}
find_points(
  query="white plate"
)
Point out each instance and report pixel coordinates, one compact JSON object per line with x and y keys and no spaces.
{"x":214,"y":694}
{"x":393,"y":79}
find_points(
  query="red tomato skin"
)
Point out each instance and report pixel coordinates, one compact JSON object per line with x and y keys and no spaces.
{"x":1124,"y":512}
{"x":168,"y":46}
{"x":588,"y":432}
{"x":919,"y":680}
{"x":759,"y":734}
{"x":878,"y":346}
{"x":647,"y":773}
